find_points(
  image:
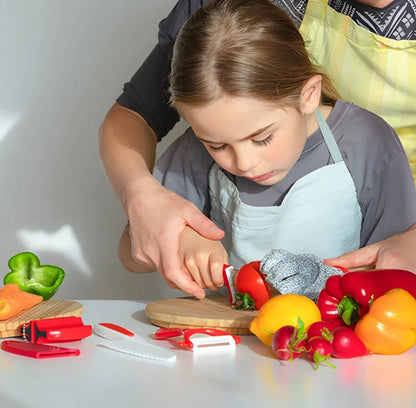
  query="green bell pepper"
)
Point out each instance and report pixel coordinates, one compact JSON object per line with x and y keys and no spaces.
{"x":27,"y":272}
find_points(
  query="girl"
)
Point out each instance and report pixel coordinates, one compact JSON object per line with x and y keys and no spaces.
{"x":273,"y":156}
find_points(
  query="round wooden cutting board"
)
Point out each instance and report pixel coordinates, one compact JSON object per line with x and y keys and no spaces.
{"x":214,"y":311}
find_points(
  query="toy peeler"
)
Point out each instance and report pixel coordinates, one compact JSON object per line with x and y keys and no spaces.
{"x":214,"y":339}
{"x":55,"y":330}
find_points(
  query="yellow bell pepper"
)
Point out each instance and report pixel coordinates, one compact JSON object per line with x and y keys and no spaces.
{"x":390,"y":325}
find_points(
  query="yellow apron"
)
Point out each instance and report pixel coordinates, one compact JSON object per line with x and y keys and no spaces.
{"x":376,"y":73}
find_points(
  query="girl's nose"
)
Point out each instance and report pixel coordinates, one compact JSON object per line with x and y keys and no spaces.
{"x":245,"y":159}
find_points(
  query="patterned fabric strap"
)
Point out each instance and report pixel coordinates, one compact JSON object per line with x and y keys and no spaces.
{"x":396,"y":21}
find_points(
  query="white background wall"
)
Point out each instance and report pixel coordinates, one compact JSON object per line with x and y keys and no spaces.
{"x":62,"y":64}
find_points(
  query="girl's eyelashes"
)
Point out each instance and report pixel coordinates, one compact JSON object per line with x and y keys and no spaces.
{"x":217,"y":149}
{"x":262,"y":142}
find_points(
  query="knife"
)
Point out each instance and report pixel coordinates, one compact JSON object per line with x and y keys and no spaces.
{"x":124,"y":341}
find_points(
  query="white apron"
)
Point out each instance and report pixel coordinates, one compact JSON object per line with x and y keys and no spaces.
{"x":320,"y":214}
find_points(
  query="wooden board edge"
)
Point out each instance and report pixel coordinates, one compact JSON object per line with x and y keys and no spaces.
{"x":241,"y":321}
{"x":10,"y":327}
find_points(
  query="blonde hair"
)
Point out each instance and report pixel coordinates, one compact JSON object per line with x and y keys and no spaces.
{"x":247,"y":48}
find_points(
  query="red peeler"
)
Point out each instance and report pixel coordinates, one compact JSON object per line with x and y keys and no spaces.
{"x":218,"y":337}
{"x":55,"y":330}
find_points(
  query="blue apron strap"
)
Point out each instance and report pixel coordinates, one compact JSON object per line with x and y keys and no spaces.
{"x":328,"y":137}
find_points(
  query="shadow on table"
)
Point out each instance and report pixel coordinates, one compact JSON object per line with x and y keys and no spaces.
{"x":140,"y":316}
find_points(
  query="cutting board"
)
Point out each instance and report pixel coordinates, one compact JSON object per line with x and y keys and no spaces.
{"x":43,"y":310}
{"x":214,"y":311}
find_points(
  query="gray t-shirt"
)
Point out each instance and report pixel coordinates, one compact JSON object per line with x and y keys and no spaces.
{"x":371,"y":150}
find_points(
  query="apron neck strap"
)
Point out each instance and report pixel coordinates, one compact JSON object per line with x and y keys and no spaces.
{"x":328,"y":137}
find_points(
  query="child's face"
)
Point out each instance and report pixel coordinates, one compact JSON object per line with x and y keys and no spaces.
{"x":249,"y":137}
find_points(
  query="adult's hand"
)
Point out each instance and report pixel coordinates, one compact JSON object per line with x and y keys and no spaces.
{"x":396,"y":252}
{"x":157,"y":217}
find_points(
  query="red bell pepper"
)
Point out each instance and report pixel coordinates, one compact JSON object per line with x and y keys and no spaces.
{"x":248,"y":286}
{"x":348,"y":297}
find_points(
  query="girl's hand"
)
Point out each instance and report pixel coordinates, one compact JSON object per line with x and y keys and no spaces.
{"x":157,"y":217}
{"x":202,"y":259}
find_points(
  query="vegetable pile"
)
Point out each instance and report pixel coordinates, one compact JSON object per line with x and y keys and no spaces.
{"x":380,"y":305}
{"x":356,"y":314}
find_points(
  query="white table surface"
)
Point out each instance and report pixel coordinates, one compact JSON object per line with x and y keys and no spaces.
{"x":250,"y":377}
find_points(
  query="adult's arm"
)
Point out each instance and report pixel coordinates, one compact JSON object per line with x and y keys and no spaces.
{"x":387,"y":197}
{"x":396,"y":252}
{"x":147,"y":91}
{"x":128,"y":138}
{"x":156,"y":215}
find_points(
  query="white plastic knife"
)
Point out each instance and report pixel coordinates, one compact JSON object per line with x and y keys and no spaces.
{"x":125,"y":341}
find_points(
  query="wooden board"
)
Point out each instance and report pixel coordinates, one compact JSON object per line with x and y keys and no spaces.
{"x":44,"y":310}
{"x":214,"y":311}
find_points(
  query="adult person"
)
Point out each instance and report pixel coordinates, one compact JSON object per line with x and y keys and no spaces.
{"x":142,"y":116}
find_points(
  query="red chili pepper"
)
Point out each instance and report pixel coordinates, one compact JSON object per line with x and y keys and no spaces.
{"x":348,"y":297}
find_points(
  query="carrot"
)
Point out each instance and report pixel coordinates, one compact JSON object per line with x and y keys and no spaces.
{"x":9,"y":289}
{"x":13,"y":301}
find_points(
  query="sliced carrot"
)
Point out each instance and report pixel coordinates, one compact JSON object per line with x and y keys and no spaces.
{"x":13,"y":301}
{"x":10,"y":289}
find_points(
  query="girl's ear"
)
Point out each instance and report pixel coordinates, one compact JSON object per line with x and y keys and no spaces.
{"x":310,"y":96}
